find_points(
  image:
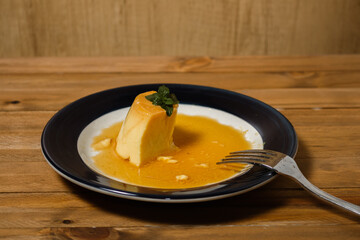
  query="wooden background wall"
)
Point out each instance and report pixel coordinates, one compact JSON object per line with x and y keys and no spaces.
{"x":178,"y":27}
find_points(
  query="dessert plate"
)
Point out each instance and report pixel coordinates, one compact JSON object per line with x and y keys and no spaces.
{"x":63,"y":137}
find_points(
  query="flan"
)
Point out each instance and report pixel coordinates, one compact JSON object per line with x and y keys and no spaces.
{"x":147,"y":131}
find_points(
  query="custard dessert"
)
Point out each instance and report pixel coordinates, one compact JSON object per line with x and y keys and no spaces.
{"x":146,"y":132}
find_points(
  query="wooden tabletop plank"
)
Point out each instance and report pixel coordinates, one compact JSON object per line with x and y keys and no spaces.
{"x":21,"y":155}
{"x":36,"y":120}
{"x":252,"y":80}
{"x":181,"y":64}
{"x":85,"y":208}
{"x":228,"y":232}
{"x":55,"y":99}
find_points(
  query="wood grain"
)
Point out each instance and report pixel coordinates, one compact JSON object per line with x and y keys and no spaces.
{"x":181,"y":64}
{"x":200,"y":232}
{"x":253,"y":80}
{"x":85,"y":208}
{"x":31,"y":28}
{"x":39,"y":100}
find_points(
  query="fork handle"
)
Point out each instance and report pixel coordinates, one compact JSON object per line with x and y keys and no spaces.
{"x":295,"y":173}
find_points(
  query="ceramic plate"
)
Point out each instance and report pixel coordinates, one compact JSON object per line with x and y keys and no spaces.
{"x":67,"y":136}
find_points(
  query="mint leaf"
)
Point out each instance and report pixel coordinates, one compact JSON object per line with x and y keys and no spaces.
{"x":163,"y":91}
{"x":169,"y":110}
{"x":168,"y":101}
{"x":152,"y":97}
{"x":164,"y":99}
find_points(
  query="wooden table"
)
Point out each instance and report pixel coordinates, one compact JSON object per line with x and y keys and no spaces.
{"x":320,"y":95}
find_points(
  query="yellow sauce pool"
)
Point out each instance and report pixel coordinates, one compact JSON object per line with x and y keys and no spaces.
{"x":201,"y":141}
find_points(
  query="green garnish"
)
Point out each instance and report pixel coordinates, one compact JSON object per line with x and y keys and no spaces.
{"x":164,"y":99}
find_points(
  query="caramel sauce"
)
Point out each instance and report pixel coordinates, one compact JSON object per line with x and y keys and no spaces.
{"x":201,"y":143}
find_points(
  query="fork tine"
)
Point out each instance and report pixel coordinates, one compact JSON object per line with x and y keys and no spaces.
{"x":245,"y":155}
{"x":255,"y":151}
{"x":244,"y":158}
{"x":249,"y":161}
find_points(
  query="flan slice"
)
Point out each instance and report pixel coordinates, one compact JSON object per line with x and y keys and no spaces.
{"x":147,"y":131}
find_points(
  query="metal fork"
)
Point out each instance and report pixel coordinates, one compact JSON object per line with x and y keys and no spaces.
{"x":285,"y":165}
